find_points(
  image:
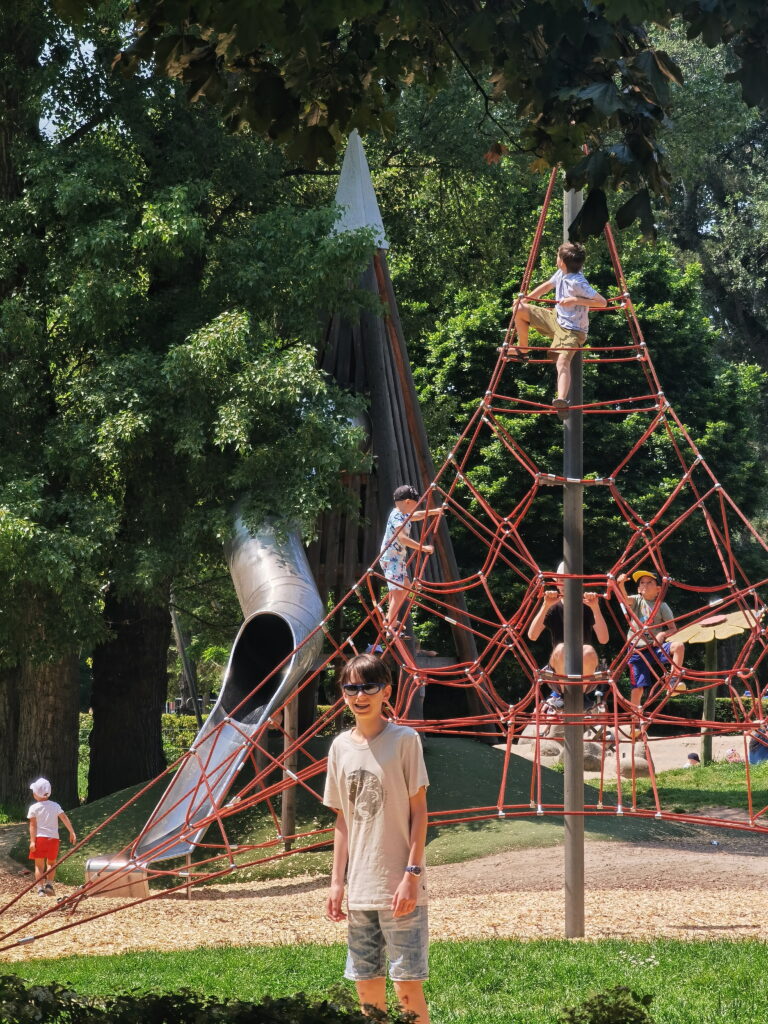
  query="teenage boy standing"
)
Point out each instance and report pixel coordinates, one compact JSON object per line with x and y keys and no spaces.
{"x":377,"y":784}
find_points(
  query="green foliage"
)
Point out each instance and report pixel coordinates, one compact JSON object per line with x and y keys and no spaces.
{"x":159,"y":303}
{"x":21,"y":1003}
{"x":575,"y":74}
{"x":179,"y":733}
{"x":619,"y":1005}
{"x":719,"y":200}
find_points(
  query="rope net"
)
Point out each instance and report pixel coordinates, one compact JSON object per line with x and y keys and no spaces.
{"x":491,"y":605}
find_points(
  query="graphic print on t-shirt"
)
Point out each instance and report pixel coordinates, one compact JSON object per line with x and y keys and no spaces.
{"x":366,"y":794}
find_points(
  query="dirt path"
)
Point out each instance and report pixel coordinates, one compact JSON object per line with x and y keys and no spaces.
{"x":633,"y":891}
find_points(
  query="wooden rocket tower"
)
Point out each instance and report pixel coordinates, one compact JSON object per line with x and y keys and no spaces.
{"x":370,"y":357}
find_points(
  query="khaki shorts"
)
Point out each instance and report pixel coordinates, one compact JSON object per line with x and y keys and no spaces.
{"x":545,"y":322}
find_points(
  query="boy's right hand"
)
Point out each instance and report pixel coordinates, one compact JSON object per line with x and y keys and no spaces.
{"x":428,"y":549}
{"x":333,"y":909}
{"x":551,"y":597}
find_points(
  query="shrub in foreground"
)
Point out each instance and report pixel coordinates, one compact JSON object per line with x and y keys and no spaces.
{"x":619,"y":1005}
{"x":22,"y":1002}
{"x":25,"y":1003}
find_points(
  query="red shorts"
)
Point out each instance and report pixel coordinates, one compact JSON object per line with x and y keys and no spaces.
{"x":44,"y":849}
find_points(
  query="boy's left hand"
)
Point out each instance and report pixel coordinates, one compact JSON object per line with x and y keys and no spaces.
{"x":333,"y":905}
{"x":404,"y":900}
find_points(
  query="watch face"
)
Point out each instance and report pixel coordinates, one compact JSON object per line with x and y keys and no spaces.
{"x":413,"y":870}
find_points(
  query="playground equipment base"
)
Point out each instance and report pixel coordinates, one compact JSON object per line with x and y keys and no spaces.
{"x":114,"y":876}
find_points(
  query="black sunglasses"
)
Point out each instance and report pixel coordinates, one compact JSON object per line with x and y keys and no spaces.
{"x":369,"y":689}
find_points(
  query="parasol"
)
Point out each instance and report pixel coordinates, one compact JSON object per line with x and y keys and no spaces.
{"x":716,"y":627}
{"x":709,"y":631}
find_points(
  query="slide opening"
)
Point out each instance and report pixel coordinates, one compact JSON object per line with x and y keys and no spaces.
{"x":263,"y":643}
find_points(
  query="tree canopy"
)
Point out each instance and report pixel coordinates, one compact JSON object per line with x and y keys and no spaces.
{"x":718,"y":212}
{"x":577,"y":73}
{"x":160,"y":293}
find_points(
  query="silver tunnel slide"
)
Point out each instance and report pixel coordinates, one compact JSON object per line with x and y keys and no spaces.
{"x":281,"y":607}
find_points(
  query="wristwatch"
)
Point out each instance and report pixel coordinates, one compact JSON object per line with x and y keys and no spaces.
{"x":413,"y":869}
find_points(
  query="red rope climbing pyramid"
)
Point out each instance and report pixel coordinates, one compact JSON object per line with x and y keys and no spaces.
{"x":689,"y":498}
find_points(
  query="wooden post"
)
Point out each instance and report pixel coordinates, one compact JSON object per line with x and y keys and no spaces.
{"x":290,"y":761}
{"x":260,"y":754}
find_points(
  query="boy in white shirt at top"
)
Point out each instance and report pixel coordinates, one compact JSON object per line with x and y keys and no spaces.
{"x":44,"y":817}
{"x":377,"y":783}
{"x":568,"y":323}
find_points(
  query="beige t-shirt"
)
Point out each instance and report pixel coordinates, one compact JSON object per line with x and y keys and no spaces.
{"x":371,"y":784}
{"x":642,"y":609}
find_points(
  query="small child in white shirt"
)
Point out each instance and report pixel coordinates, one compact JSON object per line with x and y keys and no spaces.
{"x":44,"y":817}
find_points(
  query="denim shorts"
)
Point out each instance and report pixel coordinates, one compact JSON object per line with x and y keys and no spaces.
{"x":404,"y":939}
{"x":646,"y":664}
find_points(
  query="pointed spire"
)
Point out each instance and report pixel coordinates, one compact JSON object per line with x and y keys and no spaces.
{"x":355,"y":194}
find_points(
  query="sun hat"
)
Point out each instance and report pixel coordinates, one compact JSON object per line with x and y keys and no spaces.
{"x":41,"y":788}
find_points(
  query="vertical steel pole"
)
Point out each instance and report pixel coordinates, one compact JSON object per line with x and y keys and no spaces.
{"x":573,"y":556}
{"x":708,"y":711}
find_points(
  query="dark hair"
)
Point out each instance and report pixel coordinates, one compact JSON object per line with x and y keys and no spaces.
{"x":573,"y":255}
{"x":365,"y":668}
{"x":406,"y":493}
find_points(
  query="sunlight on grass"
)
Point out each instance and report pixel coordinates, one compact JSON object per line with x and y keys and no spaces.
{"x":718,"y":784}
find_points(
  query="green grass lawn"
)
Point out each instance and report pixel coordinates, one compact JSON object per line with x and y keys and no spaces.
{"x":483,"y":982}
{"x":717,"y":784}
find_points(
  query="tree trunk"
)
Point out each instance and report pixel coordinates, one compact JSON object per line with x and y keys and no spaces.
{"x":39,"y":704}
{"x":130,"y":685}
{"x":9,"y":731}
{"x":22,"y":37}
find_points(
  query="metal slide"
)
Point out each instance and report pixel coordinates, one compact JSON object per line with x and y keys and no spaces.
{"x":281,"y":606}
